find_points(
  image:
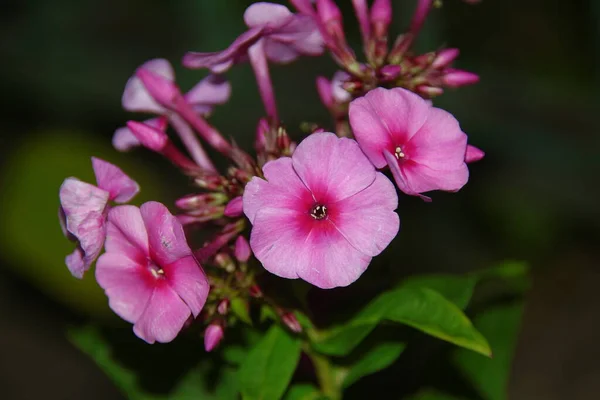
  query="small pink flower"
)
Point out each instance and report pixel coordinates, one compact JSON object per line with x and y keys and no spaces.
{"x":83,"y":210}
{"x":322,"y":214}
{"x":423,"y":145}
{"x":285,"y":35}
{"x":149,"y":273}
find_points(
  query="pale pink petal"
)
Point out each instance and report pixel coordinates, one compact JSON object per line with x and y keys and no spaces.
{"x":189,"y":281}
{"x":212,"y":90}
{"x":164,"y":316}
{"x":340,"y":94}
{"x":90,"y":233}
{"x":386,"y":118}
{"x":367,"y":219}
{"x":266,"y":14}
{"x":284,"y":189}
{"x":332,"y":168}
{"x":439,"y":144}
{"x":126,"y":233}
{"x":165,"y":234}
{"x":76,"y":264}
{"x":125,"y":140}
{"x":473,"y":154}
{"x":135,"y":95}
{"x":127,"y":284}
{"x":112,"y":179}
{"x":280,"y":52}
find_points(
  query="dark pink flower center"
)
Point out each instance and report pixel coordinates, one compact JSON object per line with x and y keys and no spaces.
{"x":319,"y":211}
{"x":400,"y":155}
{"x":156,"y":271}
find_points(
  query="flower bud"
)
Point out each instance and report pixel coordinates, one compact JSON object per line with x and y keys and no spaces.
{"x":255,"y":291}
{"x":324,"y":90}
{"x":194,"y":201}
{"x":429,"y":91}
{"x":224,"y":261}
{"x":331,"y":18}
{"x":234,"y":208}
{"x":163,"y":90}
{"x":261,"y":134}
{"x":242,"y":250}
{"x":213,"y":336}
{"x":149,"y":137}
{"x":223,"y":307}
{"x":444,"y":58}
{"x":381,"y":17}
{"x":290,"y":320}
{"x":390,"y":72}
{"x":456,"y":78}
{"x":473,"y":154}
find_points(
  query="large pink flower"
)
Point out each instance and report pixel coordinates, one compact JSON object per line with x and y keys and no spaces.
{"x":149,"y":272}
{"x":83,"y":210}
{"x":322,"y":214}
{"x":423,"y":145}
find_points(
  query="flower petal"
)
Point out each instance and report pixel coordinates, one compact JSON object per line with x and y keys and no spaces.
{"x":165,"y":234}
{"x":164,"y":316}
{"x":284,"y":189}
{"x":266,"y":14}
{"x":126,"y":233}
{"x":332,"y":168}
{"x":136,"y":97}
{"x":112,"y":179}
{"x":367,"y":219}
{"x":189,"y":281}
{"x":212,"y":90}
{"x":127,"y":285}
{"x":125,"y":140}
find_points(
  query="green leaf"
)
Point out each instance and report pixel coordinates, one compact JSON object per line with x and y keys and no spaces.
{"x":239,"y":308}
{"x":430,"y":394}
{"x":304,"y":391}
{"x":376,"y":359}
{"x":268,"y":369}
{"x":456,"y":288}
{"x":418,"y":307}
{"x":490,"y":376}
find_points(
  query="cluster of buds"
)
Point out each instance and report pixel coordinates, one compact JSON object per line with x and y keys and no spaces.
{"x":319,"y":210}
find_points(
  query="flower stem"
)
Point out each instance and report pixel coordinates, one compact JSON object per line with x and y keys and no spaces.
{"x":326,"y":376}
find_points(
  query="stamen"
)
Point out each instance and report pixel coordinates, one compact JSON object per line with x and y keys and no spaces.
{"x":398,"y":153}
{"x":156,"y":271}
{"x":319,"y":211}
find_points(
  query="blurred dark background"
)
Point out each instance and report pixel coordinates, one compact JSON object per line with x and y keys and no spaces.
{"x":534,"y":197}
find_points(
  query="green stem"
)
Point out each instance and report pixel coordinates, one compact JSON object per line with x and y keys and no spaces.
{"x":325,"y":375}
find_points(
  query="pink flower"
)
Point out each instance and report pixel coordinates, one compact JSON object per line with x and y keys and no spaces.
{"x":423,"y":145}
{"x":83,"y":210}
{"x":149,"y":273}
{"x":322,"y":214}
{"x":285,"y":37}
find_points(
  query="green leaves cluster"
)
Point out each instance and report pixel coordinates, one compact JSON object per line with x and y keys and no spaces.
{"x":264,"y":367}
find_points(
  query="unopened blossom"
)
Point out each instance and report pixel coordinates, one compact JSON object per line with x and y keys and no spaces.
{"x":284,"y":35}
{"x":473,"y":154}
{"x":322,"y":214}
{"x":423,"y":145}
{"x":83,"y":210}
{"x":213,"y":336}
{"x":332,"y":92}
{"x":149,"y":273}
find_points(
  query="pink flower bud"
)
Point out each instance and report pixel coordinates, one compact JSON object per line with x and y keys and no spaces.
{"x":429,"y":91}
{"x":242,"y":250}
{"x":234,"y":208}
{"x":261,"y":134}
{"x":213,"y":336}
{"x":457,"y":78}
{"x":255,"y":291}
{"x":223,"y":307}
{"x":163,"y":90}
{"x":194,"y":201}
{"x":473,"y":154}
{"x":361,"y":9}
{"x":390,"y":72}
{"x":290,"y":320}
{"x":328,"y":12}
{"x":444,"y":58}
{"x":149,"y":137}
{"x":325,"y":92}
{"x":381,"y":12}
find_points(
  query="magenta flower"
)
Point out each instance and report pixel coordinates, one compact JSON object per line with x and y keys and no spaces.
{"x":149,"y":273}
{"x":285,"y":36}
{"x":322,"y":214}
{"x":83,"y":209}
{"x":423,"y":145}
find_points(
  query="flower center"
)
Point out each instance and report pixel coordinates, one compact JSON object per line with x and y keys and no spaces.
{"x":398,"y":153}
{"x":319,"y":211}
{"x":155,"y":270}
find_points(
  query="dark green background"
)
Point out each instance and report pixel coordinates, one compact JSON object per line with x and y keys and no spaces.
{"x":534,"y":197}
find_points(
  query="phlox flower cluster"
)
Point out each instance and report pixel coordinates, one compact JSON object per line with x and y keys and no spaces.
{"x":317,"y":210}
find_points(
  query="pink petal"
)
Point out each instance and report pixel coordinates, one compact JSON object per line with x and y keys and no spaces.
{"x":136,"y":96}
{"x":332,"y":168}
{"x":165,"y":234}
{"x":221,"y":61}
{"x":212,"y":90}
{"x":188,"y":280}
{"x":284,"y":189}
{"x":340,"y":94}
{"x":90,"y":234}
{"x":126,"y":233}
{"x":125,"y":140}
{"x":386,"y":118}
{"x":112,"y":179}
{"x":163,"y":317}
{"x":127,"y":284}
{"x":266,"y":14}
{"x":234,"y":208}
{"x":473,"y":154}
{"x":439,"y":144}
{"x":280,"y":52}
{"x":367,"y":219}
